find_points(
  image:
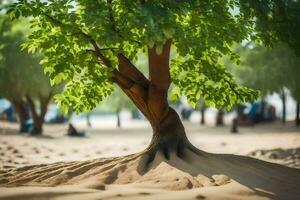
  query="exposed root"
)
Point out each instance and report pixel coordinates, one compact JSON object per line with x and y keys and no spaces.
{"x":128,"y":169}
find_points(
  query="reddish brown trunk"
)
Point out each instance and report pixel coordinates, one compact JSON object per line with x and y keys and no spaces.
{"x":150,"y":96}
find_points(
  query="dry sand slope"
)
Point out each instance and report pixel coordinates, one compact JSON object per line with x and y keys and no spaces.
{"x":199,"y":176}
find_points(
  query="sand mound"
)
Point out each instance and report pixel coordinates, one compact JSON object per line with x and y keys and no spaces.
{"x":194,"y":171}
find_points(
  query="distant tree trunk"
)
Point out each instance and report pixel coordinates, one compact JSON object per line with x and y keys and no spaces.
{"x":283,"y":99}
{"x":118,"y":119}
{"x":38,"y":119}
{"x":202,"y":111}
{"x":22,"y":116}
{"x":234,"y":127}
{"x":88,"y":120}
{"x":220,"y":117}
{"x":298,"y":113}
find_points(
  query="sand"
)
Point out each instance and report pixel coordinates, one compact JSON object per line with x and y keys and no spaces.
{"x":199,"y":175}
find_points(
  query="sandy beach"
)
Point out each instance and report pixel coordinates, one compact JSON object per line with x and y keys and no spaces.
{"x":56,"y":166}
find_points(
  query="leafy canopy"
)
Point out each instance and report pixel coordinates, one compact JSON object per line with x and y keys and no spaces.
{"x":269,"y":70}
{"x":20,"y":72}
{"x":201,"y":32}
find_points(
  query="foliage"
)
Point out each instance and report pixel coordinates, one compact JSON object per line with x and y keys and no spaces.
{"x":274,"y":21}
{"x":201,"y":32}
{"x":20,"y":72}
{"x":269,"y":70}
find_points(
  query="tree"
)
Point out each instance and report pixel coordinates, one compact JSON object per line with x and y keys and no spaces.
{"x":269,"y":70}
{"x":22,"y":80}
{"x":202,"y":107}
{"x":118,"y":101}
{"x":83,"y":41}
{"x":293,"y":84}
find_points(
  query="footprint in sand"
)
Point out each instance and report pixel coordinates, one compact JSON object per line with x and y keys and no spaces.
{"x":9,"y":147}
{"x":144,"y":193}
{"x":15,"y":151}
{"x":19,"y":156}
{"x":199,"y":196}
{"x":35,"y":150}
{"x":50,"y":150}
{"x":4,"y":142}
{"x":223,"y":144}
{"x":98,"y":152}
{"x":75,"y":151}
{"x":61,"y":154}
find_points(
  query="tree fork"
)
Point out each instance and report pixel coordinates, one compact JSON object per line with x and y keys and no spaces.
{"x":150,"y":96}
{"x":37,"y":123}
{"x":38,"y":119}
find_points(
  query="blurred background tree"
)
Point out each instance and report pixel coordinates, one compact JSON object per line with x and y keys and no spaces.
{"x":22,"y":80}
{"x":271,"y":71}
{"x":117,"y":102}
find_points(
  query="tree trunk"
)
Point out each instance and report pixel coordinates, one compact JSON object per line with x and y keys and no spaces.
{"x":234,"y":127}
{"x":22,"y":116}
{"x":37,"y":123}
{"x":220,"y":117}
{"x":298,"y":113}
{"x":150,"y":97}
{"x":38,"y":119}
{"x":118,"y":119}
{"x":283,"y":99}
{"x":169,"y":136}
{"x":202,"y":111}
{"x":88,"y":120}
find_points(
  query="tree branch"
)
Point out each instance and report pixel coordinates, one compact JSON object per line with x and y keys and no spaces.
{"x":99,"y":54}
{"x":130,"y":79}
{"x":232,"y":88}
{"x":130,"y":71}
